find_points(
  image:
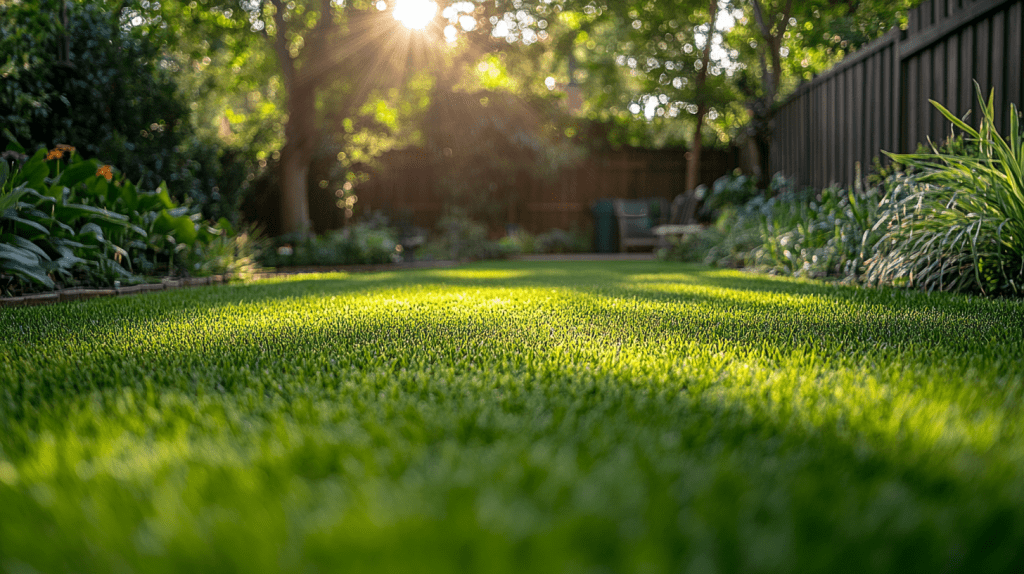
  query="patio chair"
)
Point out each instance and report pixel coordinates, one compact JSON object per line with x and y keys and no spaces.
{"x":636,"y":218}
{"x":675,"y":227}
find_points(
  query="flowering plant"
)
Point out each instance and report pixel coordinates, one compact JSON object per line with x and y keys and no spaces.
{"x":70,"y":220}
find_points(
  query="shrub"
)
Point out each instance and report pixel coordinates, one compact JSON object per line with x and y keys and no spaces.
{"x":110,"y":90}
{"x":738,"y":209}
{"x":798,"y":233}
{"x":73,"y":221}
{"x":822,"y":235}
{"x":957,"y":224}
{"x":729,"y":190}
{"x":518,"y":242}
{"x":562,"y":241}
{"x":462,"y":238}
{"x":362,"y":243}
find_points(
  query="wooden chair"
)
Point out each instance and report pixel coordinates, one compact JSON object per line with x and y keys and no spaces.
{"x":675,"y":226}
{"x":636,"y":219}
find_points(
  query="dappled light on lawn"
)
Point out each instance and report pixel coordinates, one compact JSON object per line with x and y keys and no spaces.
{"x":550,"y":416}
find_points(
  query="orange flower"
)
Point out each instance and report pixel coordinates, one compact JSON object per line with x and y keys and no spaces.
{"x":59,"y":150}
{"x":105,"y":171}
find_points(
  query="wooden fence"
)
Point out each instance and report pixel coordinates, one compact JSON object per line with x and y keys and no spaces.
{"x":407,"y":188}
{"x":877,"y":98}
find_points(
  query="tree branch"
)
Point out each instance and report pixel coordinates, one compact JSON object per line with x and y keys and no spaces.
{"x":785,"y":19}
{"x":766,"y":31}
{"x":281,"y":43}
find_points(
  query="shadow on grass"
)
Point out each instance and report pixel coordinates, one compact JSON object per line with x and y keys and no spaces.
{"x":746,"y":310}
{"x":591,"y":399}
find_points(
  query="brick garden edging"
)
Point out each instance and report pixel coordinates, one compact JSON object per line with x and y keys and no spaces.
{"x":82,"y":293}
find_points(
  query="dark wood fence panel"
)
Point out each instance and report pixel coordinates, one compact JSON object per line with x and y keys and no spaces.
{"x":878,"y":97}
{"x":408,"y":191}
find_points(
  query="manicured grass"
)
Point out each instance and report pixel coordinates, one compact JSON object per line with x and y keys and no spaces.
{"x":515,"y":417}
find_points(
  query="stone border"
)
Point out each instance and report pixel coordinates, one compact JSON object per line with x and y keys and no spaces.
{"x":82,"y":293}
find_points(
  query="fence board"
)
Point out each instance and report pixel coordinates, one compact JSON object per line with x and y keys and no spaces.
{"x":966,"y":74}
{"x":952,"y":70}
{"x":982,"y":49}
{"x":1014,"y":49}
{"x":877,"y":98}
{"x":998,"y":77}
{"x":406,"y":188}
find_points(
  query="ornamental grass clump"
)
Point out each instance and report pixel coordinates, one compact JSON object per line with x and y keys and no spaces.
{"x":957,"y":222}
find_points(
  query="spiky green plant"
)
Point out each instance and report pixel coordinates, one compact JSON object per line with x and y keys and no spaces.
{"x":957,"y":224}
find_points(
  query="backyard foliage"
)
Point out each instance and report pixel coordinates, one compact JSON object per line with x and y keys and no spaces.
{"x":75,"y":74}
{"x":951,"y":219}
{"x":624,"y":417}
{"x":69,"y":220}
{"x":958,"y":222}
{"x":357,"y":244}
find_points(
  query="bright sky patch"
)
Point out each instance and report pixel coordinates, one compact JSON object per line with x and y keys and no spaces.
{"x":415,"y":14}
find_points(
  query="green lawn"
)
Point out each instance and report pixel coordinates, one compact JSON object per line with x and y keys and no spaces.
{"x":514,"y":417}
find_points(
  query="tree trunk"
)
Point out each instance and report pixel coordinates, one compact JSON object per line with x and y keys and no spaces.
{"x":300,"y":137}
{"x":693,"y":167}
{"x":693,"y":158}
{"x":773,"y":31}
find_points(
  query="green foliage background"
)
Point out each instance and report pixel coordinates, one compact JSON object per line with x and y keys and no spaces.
{"x":112,"y":93}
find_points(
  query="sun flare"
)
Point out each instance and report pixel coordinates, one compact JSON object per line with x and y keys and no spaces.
{"x":415,"y":14}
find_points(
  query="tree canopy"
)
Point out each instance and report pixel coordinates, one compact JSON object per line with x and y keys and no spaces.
{"x":288,"y":81}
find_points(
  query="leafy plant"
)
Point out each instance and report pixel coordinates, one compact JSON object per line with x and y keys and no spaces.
{"x":19,"y":256}
{"x":799,"y":233}
{"x":822,"y":235}
{"x":81,"y":222}
{"x":363,"y":243}
{"x":462,"y":238}
{"x":562,"y":241}
{"x":74,"y":73}
{"x":734,"y":189}
{"x":957,"y":224}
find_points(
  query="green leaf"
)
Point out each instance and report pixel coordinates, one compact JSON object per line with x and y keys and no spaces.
{"x":35,"y":171}
{"x":78,"y":172}
{"x":18,"y":254}
{"x":93,"y":230}
{"x":5,"y":171}
{"x":9,"y":200}
{"x":224,"y":224}
{"x":27,"y":223}
{"x":34,"y":272}
{"x":164,"y":196}
{"x":72,"y":211}
{"x":130,"y":196}
{"x":37,"y":197}
{"x":181,"y":227}
{"x":63,"y":244}
{"x":22,"y":262}
{"x":113,"y":194}
{"x":29,"y":246}
{"x":12,"y":143}
{"x":97,"y":187}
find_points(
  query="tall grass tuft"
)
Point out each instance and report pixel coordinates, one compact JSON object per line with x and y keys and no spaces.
{"x":957,"y":223}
